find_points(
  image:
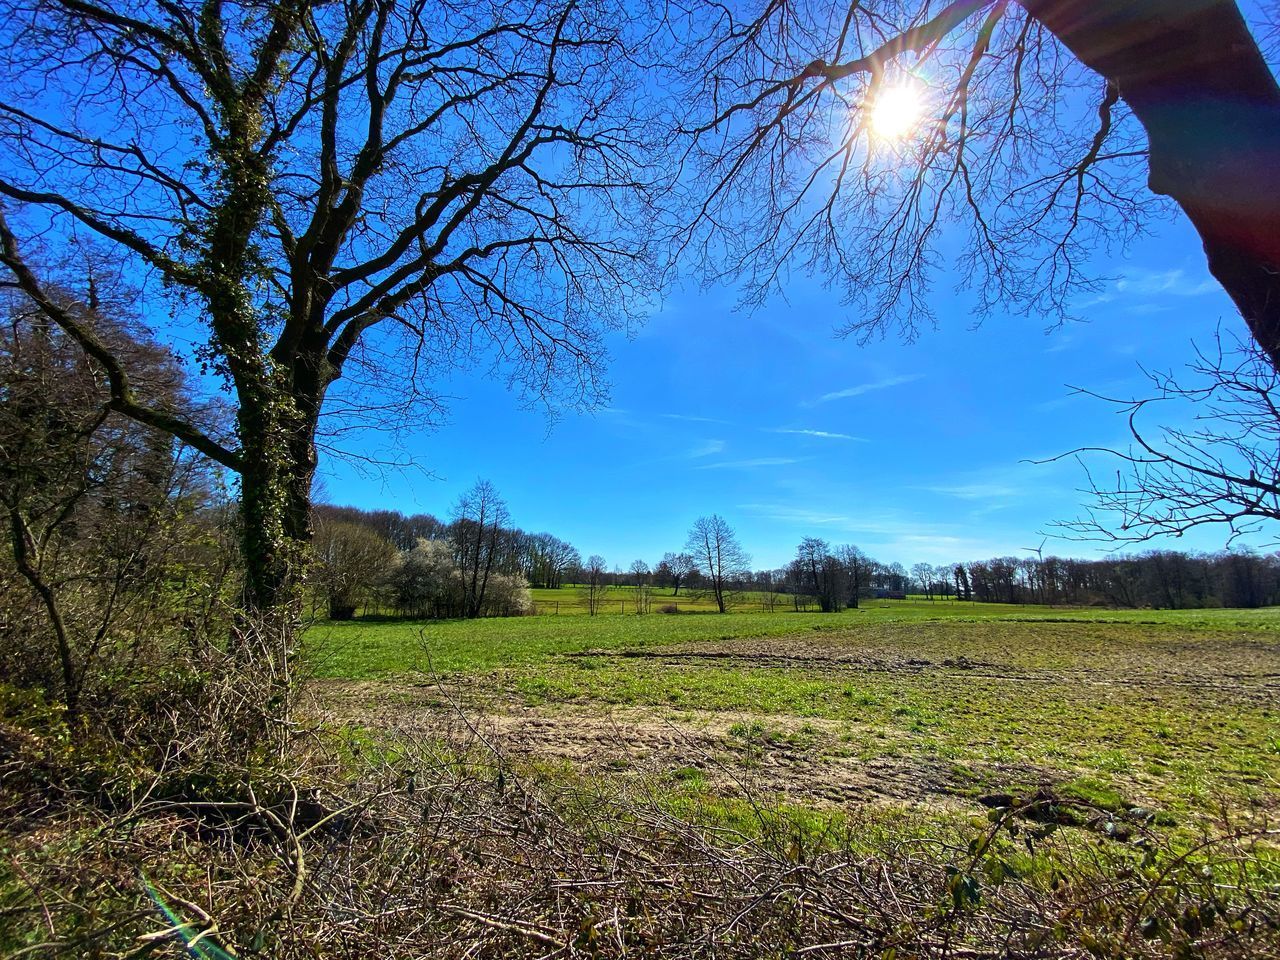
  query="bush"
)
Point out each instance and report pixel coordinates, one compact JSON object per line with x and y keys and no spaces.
{"x":669,"y":608}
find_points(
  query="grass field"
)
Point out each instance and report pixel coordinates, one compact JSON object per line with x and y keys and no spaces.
{"x":915,"y":704}
{"x":569,"y":600}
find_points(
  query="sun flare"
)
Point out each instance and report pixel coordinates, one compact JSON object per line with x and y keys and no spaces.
{"x":896,"y":111}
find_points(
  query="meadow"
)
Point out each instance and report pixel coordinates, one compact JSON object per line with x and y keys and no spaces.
{"x":926,"y":706}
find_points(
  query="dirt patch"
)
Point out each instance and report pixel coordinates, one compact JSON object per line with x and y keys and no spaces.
{"x":816,"y":760}
{"x":1240,"y":667}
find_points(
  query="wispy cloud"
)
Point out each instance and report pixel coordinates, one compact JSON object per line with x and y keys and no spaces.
{"x":820,"y":434}
{"x":1148,"y":309}
{"x":1057,"y":403}
{"x":706,"y":449}
{"x":1062,"y":342}
{"x":886,"y":532}
{"x":689,"y":419}
{"x":788,"y":513}
{"x":1143,"y":282}
{"x":1172,"y":283}
{"x":750,"y":464}
{"x":977,"y":491}
{"x":869,"y":387}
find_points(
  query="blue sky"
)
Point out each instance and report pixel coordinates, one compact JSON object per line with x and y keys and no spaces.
{"x":915,"y":452}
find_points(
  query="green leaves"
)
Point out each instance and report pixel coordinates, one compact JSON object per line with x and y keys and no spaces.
{"x":963,"y":889}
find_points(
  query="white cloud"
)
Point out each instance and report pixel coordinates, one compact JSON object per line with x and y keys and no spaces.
{"x":859,"y":389}
{"x":1172,"y":283}
{"x":977,"y":491}
{"x":820,"y":434}
{"x":688,"y":419}
{"x":706,"y":449}
{"x":1137,"y":282}
{"x":1063,"y":342}
{"x":749,"y":464}
{"x":887,"y":534}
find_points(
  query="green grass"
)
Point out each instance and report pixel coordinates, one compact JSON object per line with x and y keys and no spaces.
{"x":364,"y":649}
{"x":1167,"y":709}
{"x":570,"y":600}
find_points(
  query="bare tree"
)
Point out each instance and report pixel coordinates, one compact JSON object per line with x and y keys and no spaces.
{"x":821,"y":573}
{"x":923,"y":575}
{"x":718,"y":554}
{"x":858,"y":568}
{"x":1216,"y":462}
{"x":642,"y":579}
{"x":478,"y":532}
{"x":593,"y":584}
{"x":1047,"y":128}
{"x":362,"y":192}
{"x":677,"y":567}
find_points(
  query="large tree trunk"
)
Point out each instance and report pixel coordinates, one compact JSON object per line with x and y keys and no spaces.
{"x":277,"y":437}
{"x":273,"y":536}
{"x":1194,"y":76}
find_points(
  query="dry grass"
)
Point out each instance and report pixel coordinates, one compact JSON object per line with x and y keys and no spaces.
{"x":442,"y":848}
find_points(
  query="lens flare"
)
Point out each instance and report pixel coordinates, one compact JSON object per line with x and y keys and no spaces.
{"x":896,"y":111}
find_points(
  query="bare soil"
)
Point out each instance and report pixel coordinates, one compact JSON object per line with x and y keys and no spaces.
{"x":733,"y":753}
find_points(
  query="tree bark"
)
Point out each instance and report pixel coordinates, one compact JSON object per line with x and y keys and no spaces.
{"x":1193,"y":75}
{"x":277,"y":437}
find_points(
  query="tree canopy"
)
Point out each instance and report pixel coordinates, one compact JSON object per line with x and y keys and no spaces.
{"x":362,"y":191}
{"x":1048,"y":131}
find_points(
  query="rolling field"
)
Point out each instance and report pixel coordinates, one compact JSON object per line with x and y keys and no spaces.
{"x":919,"y":705}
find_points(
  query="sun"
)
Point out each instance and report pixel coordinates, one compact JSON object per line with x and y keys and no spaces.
{"x":896,"y":110}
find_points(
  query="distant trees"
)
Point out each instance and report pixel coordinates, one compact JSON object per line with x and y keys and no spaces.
{"x":478,"y":532}
{"x":834,"y":578}
{"x":426,"y":582}
{"x":475,"y":565}
{"x":857,"y":567}
{"x":1158,"y":578}
{"x":350,"y":560}
{"x":716,"y":550}
{"x":922,"y":573}
{"x":434,"y":577}
{"x":768,"y":584}
{"x":593,"y":583}
{"x":674,"y":569}
{"x":642,"y":580}
{"x":548,"y":559}
{"x":822,"y":575}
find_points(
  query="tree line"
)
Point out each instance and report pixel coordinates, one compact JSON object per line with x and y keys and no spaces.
{"x":473,"y":564}
{"x":477,"y":564}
